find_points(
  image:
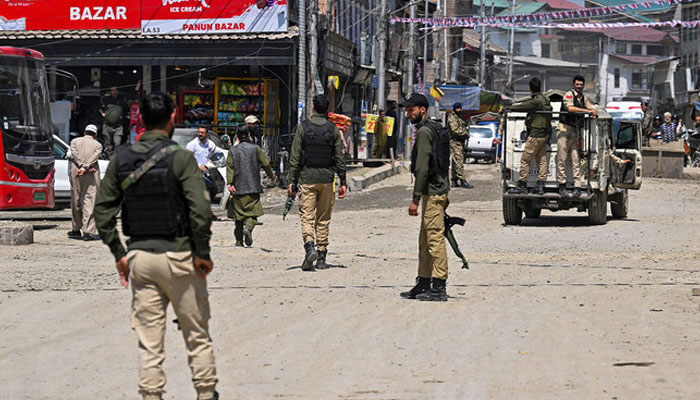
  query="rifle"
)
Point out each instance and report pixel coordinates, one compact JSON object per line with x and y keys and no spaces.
{"x":449,"y":222}
{"x":290,"y":202}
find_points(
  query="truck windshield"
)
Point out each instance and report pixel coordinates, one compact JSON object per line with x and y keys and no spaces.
{"x":24,"y":98}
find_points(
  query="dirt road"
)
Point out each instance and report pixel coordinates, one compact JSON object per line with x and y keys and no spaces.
{"x":553,"y":309}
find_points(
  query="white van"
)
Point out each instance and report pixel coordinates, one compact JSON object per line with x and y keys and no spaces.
{"x":627,"y":110}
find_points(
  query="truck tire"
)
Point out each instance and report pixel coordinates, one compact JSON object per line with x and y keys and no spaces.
{"x":512,"y":214}
{"x":695,"y":163}
{"x":533,"y":213}
{"x":598,"y":208}
{"x":621,"y":206}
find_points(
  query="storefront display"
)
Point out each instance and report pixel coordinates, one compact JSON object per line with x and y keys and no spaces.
{"x":196,"y":107}
{"x":237,"y":98}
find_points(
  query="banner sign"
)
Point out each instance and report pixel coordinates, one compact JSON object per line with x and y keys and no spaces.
{"x":159,"y":17}
{"x":69,"y":14}
{"x":371,"y":123}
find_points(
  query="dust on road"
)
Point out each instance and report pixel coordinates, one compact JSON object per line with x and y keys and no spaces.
{"x":552,"y":309}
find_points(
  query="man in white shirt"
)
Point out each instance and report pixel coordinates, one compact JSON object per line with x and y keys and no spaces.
{"x":202,"y":147}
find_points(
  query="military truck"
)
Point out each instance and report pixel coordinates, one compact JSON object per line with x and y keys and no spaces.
{"x":603,"y":143}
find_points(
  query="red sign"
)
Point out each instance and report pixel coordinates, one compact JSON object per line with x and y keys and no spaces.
{"x":69,"y":14}
{"x":213,"y":16}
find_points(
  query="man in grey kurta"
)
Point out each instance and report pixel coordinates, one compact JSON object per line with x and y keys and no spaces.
{"x":243,"y":178}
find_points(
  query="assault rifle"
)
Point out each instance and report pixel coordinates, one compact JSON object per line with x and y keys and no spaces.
{"x":449,"y":223}
{"x":290,"y":202}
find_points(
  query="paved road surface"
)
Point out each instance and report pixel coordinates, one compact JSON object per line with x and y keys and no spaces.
{"x":554,"y":309}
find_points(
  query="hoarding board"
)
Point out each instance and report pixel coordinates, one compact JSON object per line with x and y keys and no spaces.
{"x":160,"y":17}
{"x":69,"y":14}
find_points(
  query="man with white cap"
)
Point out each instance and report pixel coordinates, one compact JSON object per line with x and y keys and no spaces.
{"x":252,"y":122}
{"x":84,"y":181}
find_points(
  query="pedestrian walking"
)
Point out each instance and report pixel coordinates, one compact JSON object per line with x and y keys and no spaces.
{"x":668,"y":129}
{"x":243,"y":178}
{"x":253,"y":124}
{"x":316,"y":157}
{"x":84,"y":182}
{"x":459,"y":134}
{"x":203,"y":148}
{"x":380,"y":136}
{"x":113,"y":108}
{"x":430,"y":163}
{"x":167,"y":218}
{"x":539,"y":127}
{"x":568,"y":131}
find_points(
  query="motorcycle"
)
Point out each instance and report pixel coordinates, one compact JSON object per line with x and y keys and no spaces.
{"x":215,"y":178}
{"x":692,"y":140}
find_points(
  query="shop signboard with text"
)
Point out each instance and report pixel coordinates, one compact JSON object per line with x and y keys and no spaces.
{"x":69,"y":14}
{"x":160,"y":17}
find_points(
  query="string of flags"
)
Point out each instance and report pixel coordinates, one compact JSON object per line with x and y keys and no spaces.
{"x":537,"y":18}
{"x":584,"y":25}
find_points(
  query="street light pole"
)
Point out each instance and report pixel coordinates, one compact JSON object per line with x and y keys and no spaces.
{"x":381,"y":50}
{"x":302,"y":61}
{"x":511,"y":88}
{"x":482,"y":49}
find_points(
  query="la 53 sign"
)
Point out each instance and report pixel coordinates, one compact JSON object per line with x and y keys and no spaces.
{"x":75,"y":14}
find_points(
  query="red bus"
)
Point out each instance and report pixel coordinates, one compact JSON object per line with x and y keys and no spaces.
{"x":26,"y":139}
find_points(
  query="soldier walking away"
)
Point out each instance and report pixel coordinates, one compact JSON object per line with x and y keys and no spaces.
{"x":647,"y":123}
{"x":315,"y":159}
{"x":539,"y":128}
{"x":166,"y":215}
{"x":459,"y":134}
{"x":243,"y":178}
{"x":113,"y":109}
{"x":568,"y":131}
{"x":84,"y":182}
{"x":430,"y":162}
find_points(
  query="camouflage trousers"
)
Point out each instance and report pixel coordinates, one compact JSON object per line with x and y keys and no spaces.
{"x":457,"y":151}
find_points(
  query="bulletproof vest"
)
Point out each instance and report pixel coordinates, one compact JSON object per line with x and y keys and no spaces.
{"x":318,"y":144}
{"x":440,"y":154}
{"x":246,"y":166}
{"x":572,"y":119}
{"x":154,"y":206}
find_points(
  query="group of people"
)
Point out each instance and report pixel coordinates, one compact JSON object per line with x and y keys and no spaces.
{"x":166,"y":215}
{"x":575,"y":106}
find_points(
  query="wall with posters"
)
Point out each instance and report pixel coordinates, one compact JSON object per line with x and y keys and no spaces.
{"x":69,"y":14}
{"x":209,"y":16}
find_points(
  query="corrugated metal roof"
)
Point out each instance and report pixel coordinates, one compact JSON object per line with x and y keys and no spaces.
{"x":638,"y":59}
{"x":562,"y":5}
{"x":524,"y":8}
{"x":135,"y":34}
{"x":545,"y":62}
{"x":632,"y":34}
{"x":496,"y":3}
{"x":473,"y":39}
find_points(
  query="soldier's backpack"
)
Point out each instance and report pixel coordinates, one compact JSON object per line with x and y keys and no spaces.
{"x":440,"y":157}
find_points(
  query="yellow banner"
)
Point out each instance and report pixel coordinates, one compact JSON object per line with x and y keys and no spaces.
{"x":371,"y":122}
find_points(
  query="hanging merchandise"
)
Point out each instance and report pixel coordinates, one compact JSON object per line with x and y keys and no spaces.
{"x":237,"y":98}
{"x":537,"y":18}
{"x":196,"y":107}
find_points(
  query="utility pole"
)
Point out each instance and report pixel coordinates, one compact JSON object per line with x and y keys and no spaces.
{"x":425,"y":44}
{"x":381,"y":52}
{"x":511,"y":86}
{"x":302,"y":61}
{"x":411,"y":63}
{"x":445,"y":46}
{"x":482,"y":48}
{"x":436,"y":37}
{"x":313,"y":49}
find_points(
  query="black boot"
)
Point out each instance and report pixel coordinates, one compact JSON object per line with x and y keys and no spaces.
{"x":422,"y":286}
{"x":455,"y":182}
{"x":538,"y":189}
{"x":562,"y":190}
{"x":465,"y":185}
{"x":321,"y":262}
{"x":239,"y":243}
{"x":436,"y":293}
{"x":520,"y":189}
{"x":310,"y":257}
{"x":75,"y":235}
{"x":247,"y":236}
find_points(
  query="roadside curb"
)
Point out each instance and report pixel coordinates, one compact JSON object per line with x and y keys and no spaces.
{"x":358,"y":183}
{"x":691,"y":174}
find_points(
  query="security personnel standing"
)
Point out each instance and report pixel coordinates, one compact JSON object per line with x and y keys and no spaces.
{"x":539,"y":128}
{"x":316,"y":157}
{"x":459,"y":133}
{"x":167,"y":215}
{"x":647,"y":123}
{"x":430,"y":162}
{"x":568,"y":132}
{"x":84,"y":182}
{"x":243,"y":178}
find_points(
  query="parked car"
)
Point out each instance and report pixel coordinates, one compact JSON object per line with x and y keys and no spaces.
{"x":625,"y":110}
{"x":62,"y":166}
{"x":483,"y":142}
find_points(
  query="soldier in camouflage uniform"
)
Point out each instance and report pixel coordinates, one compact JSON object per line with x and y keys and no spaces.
{"x":647,"y":123}
{"x":459,"y":133}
